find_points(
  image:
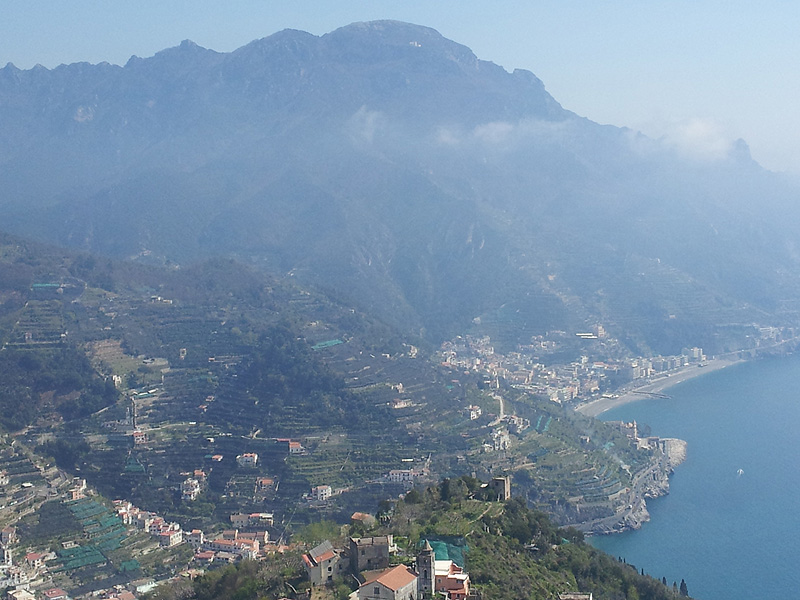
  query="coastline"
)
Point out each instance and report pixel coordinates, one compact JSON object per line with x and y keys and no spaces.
{"x":709,"y":500}
{"x":640,"y":392}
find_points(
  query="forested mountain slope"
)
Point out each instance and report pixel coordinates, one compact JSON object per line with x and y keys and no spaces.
{"x":397,"y":170}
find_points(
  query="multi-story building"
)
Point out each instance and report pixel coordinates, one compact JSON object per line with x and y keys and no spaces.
{"x":321,"y":492}
{"x":368,"y":554}
{"x":8,"y":535}
{"x":402,"y":475}
{"x":323,"y":563}
{"x":196,"y":538}
{"x":169,"y":538}
{"x":190,"y":489}
{"x":501,"y":487}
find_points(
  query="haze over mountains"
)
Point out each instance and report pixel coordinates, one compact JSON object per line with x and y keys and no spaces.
{"x":393,"y":168}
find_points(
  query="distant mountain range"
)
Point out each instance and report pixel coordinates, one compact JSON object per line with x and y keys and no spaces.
{"x":392,"y":168}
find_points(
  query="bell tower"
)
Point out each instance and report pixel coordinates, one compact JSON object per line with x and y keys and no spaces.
{"x":425,"y":571}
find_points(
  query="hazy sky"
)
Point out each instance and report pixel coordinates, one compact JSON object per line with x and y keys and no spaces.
{"x":701,"y":73}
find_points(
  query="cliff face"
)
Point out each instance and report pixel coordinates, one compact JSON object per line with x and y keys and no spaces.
{"x":676,"y":451}
{"x":631,"y":512}
{"x":674,"y":454}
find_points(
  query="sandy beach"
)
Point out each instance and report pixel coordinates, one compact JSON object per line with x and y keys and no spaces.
{"x":632,"y":393}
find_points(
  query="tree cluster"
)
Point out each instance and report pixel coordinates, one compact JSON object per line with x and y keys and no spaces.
{"x":61,"y":380}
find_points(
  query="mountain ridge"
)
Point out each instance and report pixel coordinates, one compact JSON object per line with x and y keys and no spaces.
{"x":392,"y":167}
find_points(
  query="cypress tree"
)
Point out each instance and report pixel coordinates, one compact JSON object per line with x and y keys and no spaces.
{"x":684,"y":588}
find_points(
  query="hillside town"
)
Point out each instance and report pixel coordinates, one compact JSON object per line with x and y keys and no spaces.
{"x":369,"y":559}
{"x":385,"y":570}
{"x":30,"y":570}
{"x":604,"y":368}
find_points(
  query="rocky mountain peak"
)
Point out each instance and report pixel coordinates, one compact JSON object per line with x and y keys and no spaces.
{"x":391,"y":165}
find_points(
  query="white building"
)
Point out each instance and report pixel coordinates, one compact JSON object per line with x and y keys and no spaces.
{"x":249,"y":459}
{"x":402,"y":475}
{"x":170,"y":538}
{"x":190,"y":490}
{"x":322,"y":492}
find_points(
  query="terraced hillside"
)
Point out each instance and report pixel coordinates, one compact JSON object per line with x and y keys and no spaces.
{"x":186,"y":370}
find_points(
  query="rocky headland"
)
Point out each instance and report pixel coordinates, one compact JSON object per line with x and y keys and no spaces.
{"x":651,"y":482}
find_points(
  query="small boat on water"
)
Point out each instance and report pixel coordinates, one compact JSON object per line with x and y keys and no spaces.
{"x":739,"y":473}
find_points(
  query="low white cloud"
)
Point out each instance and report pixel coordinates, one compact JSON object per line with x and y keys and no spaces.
{"x":504,"y":135}
{"x":497,"y":132}
{"x":448,"y":137}
{"x":365,"y":123}
{"x":641,"y":143}
{"x":698,"y":138}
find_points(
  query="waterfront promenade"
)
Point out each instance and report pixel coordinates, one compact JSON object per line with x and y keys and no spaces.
{"x":634,"y":392}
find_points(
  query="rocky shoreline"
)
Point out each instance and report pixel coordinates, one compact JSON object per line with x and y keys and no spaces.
{"x":649,"y":483}
{"x":675,"y":450}
{"x":654,"y":481}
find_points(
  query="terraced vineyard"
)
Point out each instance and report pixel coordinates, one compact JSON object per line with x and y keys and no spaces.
{"x":217,"y":360}
{"x":40,"y":323}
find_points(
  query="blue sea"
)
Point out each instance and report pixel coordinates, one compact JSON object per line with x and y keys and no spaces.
{"x":730,"y":525}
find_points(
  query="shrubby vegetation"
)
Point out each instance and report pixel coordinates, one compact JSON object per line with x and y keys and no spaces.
{"x":33,"y":382}
{"x":248,"y":580}
{"x":293,"y":390}
{"x":68,"y":454}
{"x":515,"y":552}
{"x":245,"y":341}
{"x":512,"y":553}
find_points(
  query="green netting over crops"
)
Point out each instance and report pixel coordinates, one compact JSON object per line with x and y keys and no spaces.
{"x":326,"y":344}
{"x":79,"y":556}
{"x":129,"y":565}
{"x":449,"y":548}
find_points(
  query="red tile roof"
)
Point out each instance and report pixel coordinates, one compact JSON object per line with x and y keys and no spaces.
{"x":394,"y":578}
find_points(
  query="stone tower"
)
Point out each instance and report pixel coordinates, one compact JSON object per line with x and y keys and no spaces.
{"x":501,"y":488}
{"x":425,"y":571}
